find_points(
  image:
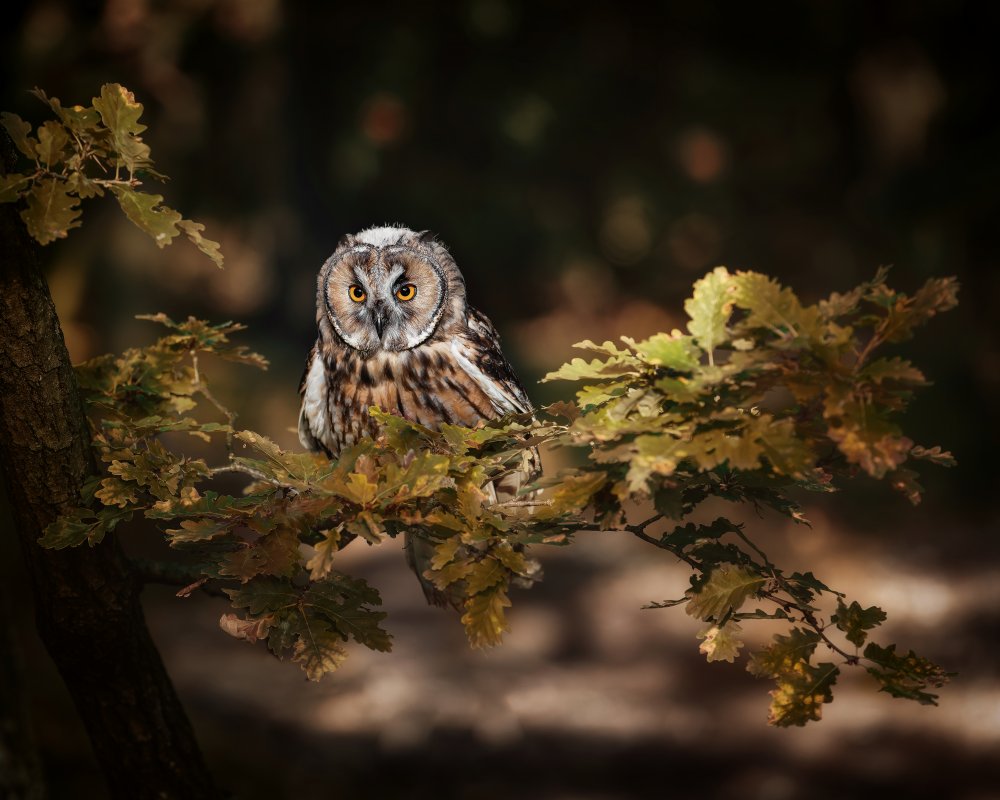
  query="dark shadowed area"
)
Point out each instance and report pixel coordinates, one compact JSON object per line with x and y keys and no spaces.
{"x":585,"y":163}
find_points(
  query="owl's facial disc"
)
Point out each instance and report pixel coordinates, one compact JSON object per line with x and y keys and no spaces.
{"x":388,"y":298}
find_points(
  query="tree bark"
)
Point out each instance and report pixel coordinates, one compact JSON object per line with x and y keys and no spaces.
{"x":86,"y":599}
{"x":20,"y":766}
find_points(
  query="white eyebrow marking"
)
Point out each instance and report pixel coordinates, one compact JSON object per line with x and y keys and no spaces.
{"x":398,"y":270}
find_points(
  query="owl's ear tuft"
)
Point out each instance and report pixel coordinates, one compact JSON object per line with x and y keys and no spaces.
{"x":426,"y":236}
{"x":345,"y":241}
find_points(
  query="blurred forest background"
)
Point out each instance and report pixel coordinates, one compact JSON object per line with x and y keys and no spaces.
{"x":585,"y":162}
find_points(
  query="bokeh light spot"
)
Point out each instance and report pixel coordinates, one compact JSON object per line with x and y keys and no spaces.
{"x":526,"y":124}
{"x":626,"y":234}
{"x":249,"y":22}
{"x":701,"y":154}
{"x":900,"y":93}
{"x":384,"y":119}
{"x":44,"y":29}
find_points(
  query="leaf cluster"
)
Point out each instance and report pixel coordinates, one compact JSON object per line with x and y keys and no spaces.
{"x":762,"y":398}
{"x":84,"y":152}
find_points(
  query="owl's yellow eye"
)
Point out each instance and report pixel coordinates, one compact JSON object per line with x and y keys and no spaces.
{"x":406,"y":292}
{"x":356,"y":293}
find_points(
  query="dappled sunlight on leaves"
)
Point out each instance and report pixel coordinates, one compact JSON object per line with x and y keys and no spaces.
{"x":762,"y":396}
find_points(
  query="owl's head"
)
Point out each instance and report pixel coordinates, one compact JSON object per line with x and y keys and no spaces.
{"x":389,"y":289}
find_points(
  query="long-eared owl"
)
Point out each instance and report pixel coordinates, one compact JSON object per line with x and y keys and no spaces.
{"x":396,"y":331}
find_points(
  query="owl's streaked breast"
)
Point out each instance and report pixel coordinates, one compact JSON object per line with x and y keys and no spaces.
{"x":429,"y":385}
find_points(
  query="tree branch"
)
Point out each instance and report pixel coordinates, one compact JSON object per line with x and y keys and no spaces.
{"x":640,"y":531}
{"x":170,"y":573}
{"x":801,"y":608}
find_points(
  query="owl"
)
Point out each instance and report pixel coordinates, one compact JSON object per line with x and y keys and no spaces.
{"x":395,"y":330}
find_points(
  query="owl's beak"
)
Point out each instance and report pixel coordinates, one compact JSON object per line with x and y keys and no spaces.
{"x":379,"y":317}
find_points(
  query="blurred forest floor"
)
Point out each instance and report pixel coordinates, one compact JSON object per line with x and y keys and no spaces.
{"x":589,"y":697}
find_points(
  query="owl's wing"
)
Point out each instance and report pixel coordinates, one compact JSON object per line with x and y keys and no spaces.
{"x":480,"y":355}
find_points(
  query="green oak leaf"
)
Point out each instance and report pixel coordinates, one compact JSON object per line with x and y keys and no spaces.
{"x":207,"y":246}
{"x":120,"y":114}
{"x":12,"y":186}
{"x":82,"y":525}
{"x":265,"y":594}
{"x":906,"y":676}
{"x":340,"y":603}
{"x":935,"y":455}
{"x":484,"y":618}
{"x":574,"y":492}
{"x":709,"y":308}
{"x":421,"y":475}
{"x":721,"y":644}
{"x":606,"y":348}
{"x":79,"y":184}
{"x":726,"y":590}
{"x":445,"y":552}
{"x":79,"y":119}
{"x":317,"y":649}
{"x":197,"y":530}
{"x":672,"y":351}
{"x":865,"y":435}
{"x":485,"y":574}
{"x":905,"y":314}
{"x":321,"y":563}
{"x":245,"y":562}
{"x":776,"y":308}
{"x":856,"y":621}
{"x":116,"y":492}
{"x":148,"y":214}
{"x":801,"y":693}
{"x":801,"y":687}
{"x":51,"y":212}
{"x":19,"y":132}
{"x":578,"y":369}
{"x":894,"y":369}
{"x":52,"y":141}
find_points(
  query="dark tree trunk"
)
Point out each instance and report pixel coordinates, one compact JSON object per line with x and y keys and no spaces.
{"x":20,"y":767}
{"x":86,"y":599}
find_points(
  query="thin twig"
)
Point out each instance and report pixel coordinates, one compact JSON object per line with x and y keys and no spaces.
{"x":174,"y":574}
{"x":521,"y":503}
{"x":807,"y":615}
{"x":236,"y":466}
{"x":810,"y":619}
{"x":640,"y":532}
{"x":641,"y":527}
{"x":803,"y":611}
{"x":207,"y":394}
{"x":757,"y":550}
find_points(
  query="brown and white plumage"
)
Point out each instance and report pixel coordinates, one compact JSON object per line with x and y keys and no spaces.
{"x":424,"y":354}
